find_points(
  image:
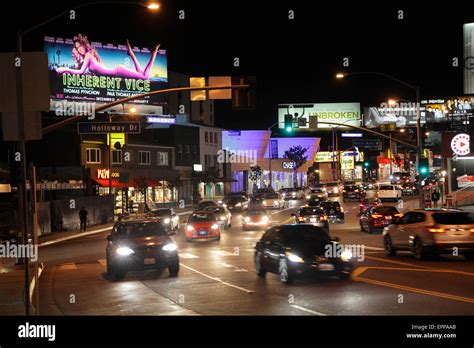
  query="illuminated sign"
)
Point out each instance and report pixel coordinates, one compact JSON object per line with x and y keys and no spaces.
{"x":104,"y":174}
{"x":114,"y":138}
{"x":461,"y":144}
{"x":351,"y":135}
{"x":155,"y":119}
{"x":288,"y":165}
{"x":83,"y":70}
{"x":197,"y":95}
{"x":108,"y":127}
{"x":323,"y":156}
{"x":197,"y":167}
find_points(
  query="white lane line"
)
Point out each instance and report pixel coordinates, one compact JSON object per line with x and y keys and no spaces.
{"x":103,"y":262}
{"x":222,"y":253}
{"x":236,"y":269}
{"x":188,"y":256}
{"x":373,"y":248}
{"x":218,"y":280}
{"x":66,"y":266}
{"x":308,"y":310}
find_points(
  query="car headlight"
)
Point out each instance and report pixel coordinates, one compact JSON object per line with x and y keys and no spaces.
{"x":293,"y":193}
{"x":222,"y":218}
{"x":124,"y":251}
{"x":190,"y":228}
{"x":264,"y":202}
{"x":247,"y":219}
{"x":170,"y":247}
{"x":283,"y":194}
{"x":219,"y":202}
{"x":336,"y":190}
{"x":356,"y":190}
{"x":275,"y":201}
{"x":308,"y":197}
{"x":224,"y":205}
{"x":167,"y":220}
{"x":265,"y":219}
{"x":346,"y":255}
{"x":215,"y":226}
{"x":294,"y":258}
{"x":238,"y":205}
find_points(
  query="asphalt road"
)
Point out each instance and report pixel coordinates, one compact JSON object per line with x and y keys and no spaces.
{"x":218,"y":278}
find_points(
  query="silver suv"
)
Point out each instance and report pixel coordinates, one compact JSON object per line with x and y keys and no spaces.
{"x":427,"y":232}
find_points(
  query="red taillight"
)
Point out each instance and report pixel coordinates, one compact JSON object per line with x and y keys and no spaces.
{"x":435,"y":230}
{"x":472,"y":230}
{"x":361,"y":205}
{"x":399,"y":215}
{"x":323,"y":217}
{"x":376,"y":216}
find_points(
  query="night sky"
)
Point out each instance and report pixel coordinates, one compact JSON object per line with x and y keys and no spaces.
{"x":294,"y":60}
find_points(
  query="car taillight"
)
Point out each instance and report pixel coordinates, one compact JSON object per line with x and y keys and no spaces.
{"x":398,"y":215}
{"x":435,"y":230}
{"x":300,"y":218}
{"x":376,"y":216}
{"x":361,"y":205}
{"x":323,"y":217}
{"x":342,"y":210}
{"x":472,"y":230}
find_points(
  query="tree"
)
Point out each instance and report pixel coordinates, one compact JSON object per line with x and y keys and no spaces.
{"x":255,"y":175}
{"x":296,"y":154}
{"x":209,"y":175}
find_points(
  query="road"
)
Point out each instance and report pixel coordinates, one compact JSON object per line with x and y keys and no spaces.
{"x":218,"y":278}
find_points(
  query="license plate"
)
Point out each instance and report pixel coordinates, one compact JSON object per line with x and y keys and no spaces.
{"x":331,"y":212}
{"x":312,"y":220}
{"x":202,"y":233}
{"x":326,"y":267}
{"x":149,"y":261}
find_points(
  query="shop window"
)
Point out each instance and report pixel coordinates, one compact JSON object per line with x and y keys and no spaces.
{"x":116,"y":156}
{"x":93,"y":155}
{"x":215,"y":138}
{"x":210,"y":137}
{"x":162,"y":158}
{"x":188,"y":152}
{"x":144,"y":157}
{"x":206,"y":138}
{"x":180,"y":151}
{"x":195,"y":152}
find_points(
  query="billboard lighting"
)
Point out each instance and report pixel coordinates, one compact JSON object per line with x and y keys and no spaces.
{"x":351,"y":135}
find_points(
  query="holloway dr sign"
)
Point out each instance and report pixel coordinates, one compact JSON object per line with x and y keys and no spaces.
{"x":461,"y":144}
{"x":108,"y":127}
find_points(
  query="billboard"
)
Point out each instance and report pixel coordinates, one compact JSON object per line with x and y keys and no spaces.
{"x":83,"y":70}
{"x":308,"y":116}
{"x":468,"y":30}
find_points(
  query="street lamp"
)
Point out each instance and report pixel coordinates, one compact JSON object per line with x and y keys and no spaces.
{"x":419,"y":143}
{"x":154,"y":6}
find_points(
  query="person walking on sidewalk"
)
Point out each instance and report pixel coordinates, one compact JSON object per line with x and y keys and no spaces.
{"x":83,"y":218}
{"x":435,"y":198}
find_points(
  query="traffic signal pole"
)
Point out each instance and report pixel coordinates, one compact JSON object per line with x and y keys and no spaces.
{"x":419,"y":149}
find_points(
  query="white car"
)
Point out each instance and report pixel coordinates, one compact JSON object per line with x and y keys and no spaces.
{"x":273,"y":200}
{"x":389,"y":192}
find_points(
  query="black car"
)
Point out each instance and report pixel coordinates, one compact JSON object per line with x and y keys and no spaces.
{"x":333,"y":210}
{"x":352,"y":192}
{"x":239,"y":203}
{"x":204,"y":204}
{"x":138,"y":245}
{"x":314,"y":201}
{"x":311,"y":215}
{"x":168,"y":218}
{"x":296,"y":250}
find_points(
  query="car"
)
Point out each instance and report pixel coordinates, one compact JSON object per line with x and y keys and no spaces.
{"x":223,"y":215}
{"x":353,"y":192}
{"x":202,"y":225}
{"x":204,"y":204}
{"x":428,"y":232}
{"x":292,"y":251}
{"x":168,"y":217}
{"x":319,"y":192}
{"x":376,"y":218}
{"x":389,"y":192}
{"x":311,"y":215}
{"x":273,"y":200}
{"x":291,"y":193}
{"x":333,"y":188}
{"x":367,"y":186}
{"x":232,"y":194}
{"x":409,"y":189}
{"x":314,"y":201}
{"x":367,"y":203}
{"x":140,"y":244}
{"x":399,"y":177}
{"x":236,"y":203}
{"x":333,"y":210}
{"x":256,"y":218}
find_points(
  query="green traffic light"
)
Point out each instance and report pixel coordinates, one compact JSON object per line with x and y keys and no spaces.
{"x":423,"y":170}
{"x":289,"y":129}
{"x":366,"y":164}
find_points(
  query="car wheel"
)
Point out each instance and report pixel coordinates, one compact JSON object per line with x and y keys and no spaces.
{"x":420,"y":251}
{"x":110,"y":268}
{"x":284,"y":272}
{"x":258,"y":266}
{"x":173,"y":269}
{"x":389,"y":248}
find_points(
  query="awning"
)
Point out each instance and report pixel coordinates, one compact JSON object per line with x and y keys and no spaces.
{"x":131,"y":183}
{"x":383,"y":160}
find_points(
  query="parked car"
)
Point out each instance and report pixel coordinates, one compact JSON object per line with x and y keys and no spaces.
{"x":352,"y":192}
{"x":311,"y":215}
{"x":204,"y":204}
{"x":202,"y":225}
{"x":293,"y":251}
{"x":236,"y":203}
{"x":333,"y":210}
{"x":368,"y":203}
{"x":223,"y":215}
{"x":389,"y":192}
{"x":376,"y":218}
{"x":255,"y":218}
{"x":168,"y":217}
{"x":138,"y":245}
{"x":333,"y":188}
{"x":428,"y":232}
{"x":273,"y":200}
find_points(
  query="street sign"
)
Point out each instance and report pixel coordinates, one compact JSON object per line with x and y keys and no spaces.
{"x":461,"y":144}
{"x":108,"y":127}
{"x":369,"y":144}
{"x":390,"y":127}
{"x":274,"y":148}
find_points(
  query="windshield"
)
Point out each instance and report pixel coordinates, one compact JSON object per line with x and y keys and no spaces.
{"x":256,"y":212}
{"x":136,"y":230}
{"x":306,"y":237}
{"x":454,"y":218}
{"x":202,"y":217}
{"x":272,"y":195}
{"x":235,"y":199}
{"x":332,"y":184}
{"x":386,"y":188}
{"x":311,"y":211}
{"x":386,"y":210}
{"x":216,"y":210}
{"x":161,"y":212}
{"x":328,"y":205}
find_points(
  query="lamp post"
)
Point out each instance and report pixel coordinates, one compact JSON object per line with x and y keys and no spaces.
{"x":22,"y":189}
{"x":419,"y":144}
{"x":270,"y":153}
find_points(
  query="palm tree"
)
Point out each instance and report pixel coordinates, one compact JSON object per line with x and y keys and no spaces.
{"x":296,"y":154}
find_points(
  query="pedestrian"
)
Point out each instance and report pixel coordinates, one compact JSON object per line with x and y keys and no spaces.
{"x":83,"y":218}
{"x":130,"y":205}
{"x":435,"y":198}
{"x":60,"y":221}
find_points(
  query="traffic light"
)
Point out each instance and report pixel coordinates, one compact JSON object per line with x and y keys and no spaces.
{"x":288,"y":123}
{"x":423,"y":168}
{"x":366,"y":164}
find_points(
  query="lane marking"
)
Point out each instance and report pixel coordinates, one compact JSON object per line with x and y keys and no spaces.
{"x":434,"y":270}
{"x":188,"y":256}
{"x":308,"y":310}
{"x":373,"y":248}
{"x":416,"y":290}
{"x":74,"y":236}
{"x":358,"y":271}
{"x":66,"y":266}
{"x":222,"y":253}
{"x":396,"y":262}
{"x":236,"y":269}
{"x":103,"y":262}
{"x":218,"y":280}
